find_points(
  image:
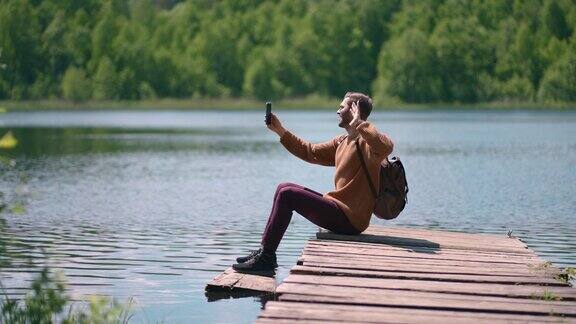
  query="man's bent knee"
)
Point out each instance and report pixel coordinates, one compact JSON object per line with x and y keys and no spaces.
{"x":285,"y":185}
{"x":286,"y":193}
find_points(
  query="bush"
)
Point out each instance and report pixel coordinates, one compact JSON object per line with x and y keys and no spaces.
{"x":75,"y":85}
{"x":41,"y":305}
{"x":47,"y":303}
{"x":559,"y":82}
{"x":516,"y":89}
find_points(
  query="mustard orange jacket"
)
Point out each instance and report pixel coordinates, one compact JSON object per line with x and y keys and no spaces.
{"x":352,"y":192}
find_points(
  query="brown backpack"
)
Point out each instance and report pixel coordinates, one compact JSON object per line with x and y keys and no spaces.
{"x":392,"y":195}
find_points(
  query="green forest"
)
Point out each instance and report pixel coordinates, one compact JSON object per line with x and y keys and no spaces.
{"x":412,"y":51}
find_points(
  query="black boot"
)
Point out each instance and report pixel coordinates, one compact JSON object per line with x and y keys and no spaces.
{"x":249,"y":256}
{"x":262,"y":261}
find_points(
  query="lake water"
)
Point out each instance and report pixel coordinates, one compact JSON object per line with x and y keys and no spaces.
{"x":152,"y":205}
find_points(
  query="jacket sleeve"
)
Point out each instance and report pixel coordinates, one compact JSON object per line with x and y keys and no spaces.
{"x":322,"y":153}
{"x":380,"y":144}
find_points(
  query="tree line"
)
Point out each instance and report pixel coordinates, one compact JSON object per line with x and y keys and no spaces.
{"x":410,"y":50}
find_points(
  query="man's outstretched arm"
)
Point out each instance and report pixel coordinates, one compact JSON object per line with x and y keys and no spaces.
{"x":322,"y":153}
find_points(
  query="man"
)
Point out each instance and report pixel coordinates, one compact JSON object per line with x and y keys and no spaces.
{"x":348,"y":208}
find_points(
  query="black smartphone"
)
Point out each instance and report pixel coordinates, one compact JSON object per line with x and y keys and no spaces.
{"x":268,"y":111}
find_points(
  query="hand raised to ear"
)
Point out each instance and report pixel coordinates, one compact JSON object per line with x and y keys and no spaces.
{"x":355,"y":110}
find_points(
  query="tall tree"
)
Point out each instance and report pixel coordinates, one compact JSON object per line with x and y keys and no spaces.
{"x":75,"y":85}
{"x":408,"y":70}
{"x":105,"y":83}
{"x":555,"y":20}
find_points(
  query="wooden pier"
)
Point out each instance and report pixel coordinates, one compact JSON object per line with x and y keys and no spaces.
{"x":232,"y":281}
{"x":407,"y":275}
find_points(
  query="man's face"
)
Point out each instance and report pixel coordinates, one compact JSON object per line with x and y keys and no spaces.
{"x":344,"y":113}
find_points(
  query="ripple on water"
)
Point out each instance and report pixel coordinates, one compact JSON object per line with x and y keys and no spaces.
{"x":152,"y":206}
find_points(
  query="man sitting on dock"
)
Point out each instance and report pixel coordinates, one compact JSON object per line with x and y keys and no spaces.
{"x":345,"y":210}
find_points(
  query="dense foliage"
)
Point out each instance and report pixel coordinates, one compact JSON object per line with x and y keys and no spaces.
{"x":412,"y":50}
{"x":47,"y":302}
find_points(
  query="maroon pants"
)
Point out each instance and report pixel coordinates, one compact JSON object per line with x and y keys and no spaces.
{"x":308,"y":203}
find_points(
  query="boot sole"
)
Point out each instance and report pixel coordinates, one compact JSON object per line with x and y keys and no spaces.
{"x":264,"y":273}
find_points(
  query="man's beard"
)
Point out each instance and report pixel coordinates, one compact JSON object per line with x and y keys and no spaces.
{"x":343,"y":122}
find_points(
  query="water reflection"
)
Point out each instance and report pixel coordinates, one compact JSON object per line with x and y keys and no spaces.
{"x":38,"y":142}
{"x":154,"y":205}
{"x":212,"y":296}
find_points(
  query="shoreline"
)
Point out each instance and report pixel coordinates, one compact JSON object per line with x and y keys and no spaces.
{"x":240,"y":104}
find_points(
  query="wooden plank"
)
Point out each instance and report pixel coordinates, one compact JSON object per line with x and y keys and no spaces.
{"x":434,"y":236}
{"x":367,"y":259}
{"x":379,"y":260}
{"x":407,"y":267}
{"x":425,"y":233}
{"x":480,"y":243}
{"x":231,"y":280}
{"x":449,"y":301}
{"x":496,"y":240}
{"x":395,"y":274}
{"x":291,"y":321}
{"x":509,"y":280}
{"x":421,"y":249}
{"x":376,"y":303}
{"x":399,"y":256}
{"x":421,"y":230}
{"x":391,"y":254}
{"x":414,"y":242}
{"x":288,"y":321}
{"x":367,"y":314}
{"x":486,"y":289}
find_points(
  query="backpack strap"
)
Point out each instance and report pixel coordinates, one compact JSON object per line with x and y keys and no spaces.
{"x":361,"y":156}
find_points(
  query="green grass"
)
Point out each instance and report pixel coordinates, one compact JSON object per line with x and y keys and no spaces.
{"x":312,"y":102}
{"x":567,"y":275}
{"x":546,"y":295}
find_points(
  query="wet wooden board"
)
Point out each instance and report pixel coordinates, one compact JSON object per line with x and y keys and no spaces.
{"x":231,"y":280}
{"x":313,"y":248}
{"x":485,"y":289}
{"x":448,"y":260}
{"x":302,"y":311}
{"x":416,"y":240}
{"x":395,"y":274}
{"x":420,"y":250}
{"x":421,"y":299}
{"x":323,"y":270}
{"x":431,"y":267}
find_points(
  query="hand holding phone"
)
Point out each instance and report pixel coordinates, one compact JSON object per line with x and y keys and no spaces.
{"x":268,"y":112}
{"x":272,"y":122}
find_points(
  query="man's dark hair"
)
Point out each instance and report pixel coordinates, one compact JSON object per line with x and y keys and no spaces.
{"x":364,"y":103}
